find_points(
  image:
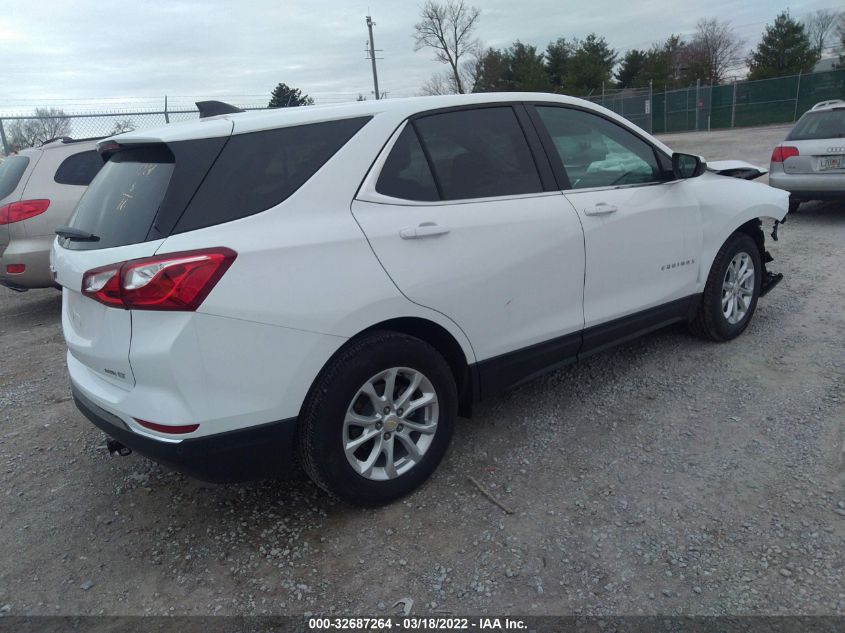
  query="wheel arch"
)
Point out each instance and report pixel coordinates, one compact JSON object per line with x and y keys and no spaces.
{"x":446,"y":344}
{"x":441,"y":339}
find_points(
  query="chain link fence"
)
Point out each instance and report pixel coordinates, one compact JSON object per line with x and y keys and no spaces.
{"x":738,"y":104}
{"x":635,"y":104}
{"x":18,"y":131}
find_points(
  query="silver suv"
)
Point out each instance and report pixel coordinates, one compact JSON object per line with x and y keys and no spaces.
{"x":810,"y":163}
{"x":39,"y":189}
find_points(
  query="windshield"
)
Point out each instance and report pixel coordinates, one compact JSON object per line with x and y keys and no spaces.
{"x":819,"y":125}
{"x":11,"y":171}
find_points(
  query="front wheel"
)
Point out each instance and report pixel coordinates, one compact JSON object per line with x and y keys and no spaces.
{"x":378,"y":419}
{"x":731,"y":292}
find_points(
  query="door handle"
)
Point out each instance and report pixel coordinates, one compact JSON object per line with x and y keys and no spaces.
{"x":424,"y":229}
{"x":601,"y":208}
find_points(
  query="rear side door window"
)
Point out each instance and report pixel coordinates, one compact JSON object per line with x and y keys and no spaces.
{"x":79,"y":169}
{"x":596,"y":152}
{"x":478,"y":153}
{"x":406,"y":173}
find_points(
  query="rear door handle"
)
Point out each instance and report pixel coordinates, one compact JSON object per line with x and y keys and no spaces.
{"x":424,"y":229}
{"x":602,"y":208}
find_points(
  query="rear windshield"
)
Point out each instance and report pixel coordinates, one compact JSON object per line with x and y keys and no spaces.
{"x":150,"y":193}
{"x":121,"y":203}
{"x":11,"y":171}
{"x":819,"y":125}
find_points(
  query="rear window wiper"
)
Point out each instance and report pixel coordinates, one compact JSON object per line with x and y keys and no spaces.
{"x":76,"y":234}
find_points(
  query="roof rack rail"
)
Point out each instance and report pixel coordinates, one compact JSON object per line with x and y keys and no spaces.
{"x":213,"y":108}
{"x":824,"y":104}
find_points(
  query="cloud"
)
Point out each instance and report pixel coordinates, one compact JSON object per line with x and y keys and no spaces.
{"x":187,"y":49}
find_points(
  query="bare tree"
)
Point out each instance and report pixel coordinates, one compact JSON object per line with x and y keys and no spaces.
{"x":46,"y":124}
{"x":121,"y":126}
{"x":715,"y":49}
{"x":448,"y":29}
{"x":820,"y":26}
{"x":440,"y":83}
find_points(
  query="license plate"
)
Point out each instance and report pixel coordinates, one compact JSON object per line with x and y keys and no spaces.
{"x":832,"y":162}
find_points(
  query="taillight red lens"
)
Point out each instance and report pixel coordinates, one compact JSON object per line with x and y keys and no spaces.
{"x":23,"y":210}
{"x":166,"y":428}
{"x":15,"y":269}
{"x":103,"y":285}
{"x":176,"y":281}
{"x":782,"y":153}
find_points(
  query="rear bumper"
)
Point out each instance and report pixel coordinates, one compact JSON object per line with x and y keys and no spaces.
{"x":257,"y":452}
{"x":809,"y":186}
{"x":34,"y":253}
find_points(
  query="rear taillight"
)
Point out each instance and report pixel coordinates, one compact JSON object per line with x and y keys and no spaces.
{"x":782,"y":153}
{"x":23,"y":210}
{"x":15,"y":269}
{"x":176,"y":281}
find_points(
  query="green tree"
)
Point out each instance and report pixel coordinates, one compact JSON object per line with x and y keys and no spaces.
{"x":784,"y":50}
{"x":526,"y":69}
{"x":591,"y":65}
{"x":630,"y":73}
{"x":558,"y":55}
{"x":283,"y":96}
{"x":491,"y":68}
{"x":663,"y":64}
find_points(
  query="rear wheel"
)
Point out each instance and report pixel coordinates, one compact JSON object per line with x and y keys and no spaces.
{"x":731,"y":292}
{"x":379,"y":418}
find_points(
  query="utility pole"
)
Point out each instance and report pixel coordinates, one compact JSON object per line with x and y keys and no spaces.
{"x":372,"y":51}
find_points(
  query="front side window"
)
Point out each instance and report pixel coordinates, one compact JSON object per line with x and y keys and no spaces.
{"x":596,"y":152}
{"x":478,"y":153}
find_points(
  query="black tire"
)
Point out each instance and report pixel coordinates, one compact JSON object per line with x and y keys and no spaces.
{"x":709,"y":321}
{"x":321,"y":420}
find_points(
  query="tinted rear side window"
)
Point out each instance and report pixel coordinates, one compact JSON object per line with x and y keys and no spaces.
{"x":79,"y":169}
{"x":406,"y":173}
{"x":479,"y":153}
{"x":819,"y":125}
{"x":11,"y":171}
{"x":258,"y":170}
{"x":121,"y":203}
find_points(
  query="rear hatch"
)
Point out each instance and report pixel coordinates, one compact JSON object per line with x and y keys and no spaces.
{"x":14,"y":172}
{"x":128,"y":210}
{"x":819,"y":138}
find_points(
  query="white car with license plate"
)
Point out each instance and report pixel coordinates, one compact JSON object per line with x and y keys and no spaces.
{"x":334,"y":285}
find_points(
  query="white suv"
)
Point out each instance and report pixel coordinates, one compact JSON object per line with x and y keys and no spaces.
{"x":340,"y":282}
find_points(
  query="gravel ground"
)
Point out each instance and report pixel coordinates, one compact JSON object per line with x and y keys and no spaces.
{"x":670,"y":476}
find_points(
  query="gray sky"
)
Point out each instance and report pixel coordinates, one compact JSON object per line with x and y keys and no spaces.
{"x":77,"y":54}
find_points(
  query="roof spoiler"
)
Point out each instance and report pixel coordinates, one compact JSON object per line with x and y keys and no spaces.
{"x":213,"y":108}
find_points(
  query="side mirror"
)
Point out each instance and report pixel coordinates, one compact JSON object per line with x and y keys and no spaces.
{"x":687,"y":165}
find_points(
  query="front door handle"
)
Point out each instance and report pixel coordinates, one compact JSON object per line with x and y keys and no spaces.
{"x":602,"y":208}
{"x":425,"y":229}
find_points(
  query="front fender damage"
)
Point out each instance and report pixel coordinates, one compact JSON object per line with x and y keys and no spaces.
{"x":754,"y":229}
